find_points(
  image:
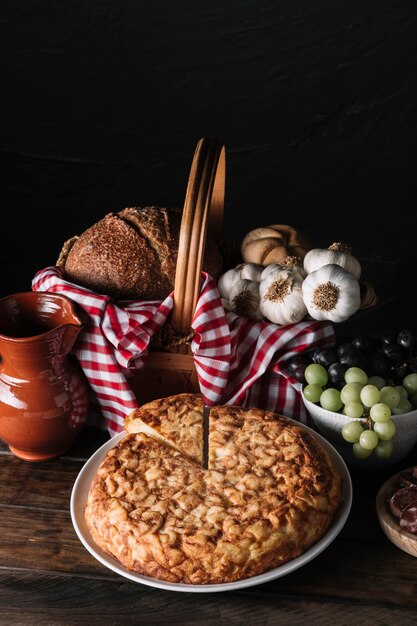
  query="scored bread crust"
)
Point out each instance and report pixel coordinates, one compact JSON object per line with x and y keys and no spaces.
{"x":132,"y":254}
{"x":113,"y":258}
{"x":271,"y":491}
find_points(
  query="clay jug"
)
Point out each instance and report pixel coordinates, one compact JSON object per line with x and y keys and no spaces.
{"x":43,"y":393}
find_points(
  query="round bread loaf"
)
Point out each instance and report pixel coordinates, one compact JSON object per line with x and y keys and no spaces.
{"x":132,"y":254}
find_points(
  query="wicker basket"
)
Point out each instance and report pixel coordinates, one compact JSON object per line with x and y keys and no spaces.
{"x":170,"y":369}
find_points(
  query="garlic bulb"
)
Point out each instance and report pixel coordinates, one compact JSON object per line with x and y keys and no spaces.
{"x":282,"y":297}
{"x":244,"y":299}
{"x":338,"y":254}
{"x":290,"y":263}
{"x":331,"y":293}
{"x":226,"y":304}
{"x":252,"y":271}
{"x":226,"y":282}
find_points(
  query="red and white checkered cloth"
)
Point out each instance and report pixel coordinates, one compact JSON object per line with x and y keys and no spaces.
{"x":237,"y":361}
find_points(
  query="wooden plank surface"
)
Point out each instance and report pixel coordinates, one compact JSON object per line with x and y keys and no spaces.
{"x":347,"y":570}
{"x":56,"y":599}
{"x":48,"y":577}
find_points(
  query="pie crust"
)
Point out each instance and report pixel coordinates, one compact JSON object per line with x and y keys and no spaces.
{"x":270,"y":492}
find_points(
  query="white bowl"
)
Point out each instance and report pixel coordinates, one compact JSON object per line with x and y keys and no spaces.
{"x":330,"y":424}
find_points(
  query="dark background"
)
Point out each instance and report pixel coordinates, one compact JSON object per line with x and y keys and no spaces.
{"x":104,"y":101}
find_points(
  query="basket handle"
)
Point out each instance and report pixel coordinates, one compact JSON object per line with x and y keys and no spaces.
{"x":203,"y":212}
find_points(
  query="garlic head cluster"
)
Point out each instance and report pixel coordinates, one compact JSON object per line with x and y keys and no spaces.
{"x":325,"y":286}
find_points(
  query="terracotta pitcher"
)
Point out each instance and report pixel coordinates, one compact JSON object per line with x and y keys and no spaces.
{"x":43,"y":394}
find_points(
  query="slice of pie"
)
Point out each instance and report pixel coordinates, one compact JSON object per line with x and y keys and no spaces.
{"x":176,"y":421}
{"x":270,"y":492}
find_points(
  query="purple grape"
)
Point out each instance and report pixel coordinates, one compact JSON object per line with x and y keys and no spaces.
{"x":336,"y":373}
{"x":363,"y":362}
{"x":395,"y":377}
{"x":378,"y":365}
{"x":351,"y":360}
{"x":394,"y":353}
{"x":407,"y":339}
{"x":324,"y":357}
{"x":389,"y":339}
{"x":362,"y":343}
{"x":346,"y":348}
{"x":316,"y":356}
{"x":299,"y":373}
{"x":412,"y":366}
{"x":297,"y":361}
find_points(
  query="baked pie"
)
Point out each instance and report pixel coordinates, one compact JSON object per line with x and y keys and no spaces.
{"x":270,"y":492}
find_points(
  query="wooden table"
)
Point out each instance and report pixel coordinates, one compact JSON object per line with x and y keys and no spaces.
{"x":48,"y":577}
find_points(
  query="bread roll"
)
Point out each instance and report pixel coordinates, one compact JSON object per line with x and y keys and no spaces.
{"x":132,"y":254}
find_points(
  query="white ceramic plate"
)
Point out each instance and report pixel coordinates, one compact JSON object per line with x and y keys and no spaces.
{"x":79,"y":497}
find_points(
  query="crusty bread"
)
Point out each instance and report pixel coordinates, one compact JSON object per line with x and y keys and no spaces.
{"x":132,"y":254}
{"x":270,"y":492}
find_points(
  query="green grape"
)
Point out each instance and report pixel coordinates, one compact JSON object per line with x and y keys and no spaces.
{"x":369,"y":395}
{"x":403,"y":407}
{"x":413,"y":400}
{"x":352,"y":431}
{"x":378,"y":381}
{"x":312,"y":392}
{"x":351,"y":392}
{"x":380,"y":412}
{"x":330,"y":399}
{"x":402,"y":391}
{"x":356,"y":375}
{"x":368,"y":439}
{"x":390,"y":395}
{"x":384,"y":449}
{"x":359,"y":452}
{"x":385,"y":430}
{"x":410,"y":383}
{"x":353,"y":409}
{"x":316,"y":374}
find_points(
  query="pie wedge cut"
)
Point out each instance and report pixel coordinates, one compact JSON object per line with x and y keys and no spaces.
{"x":270,"y":492}
{"x":176,"y":421}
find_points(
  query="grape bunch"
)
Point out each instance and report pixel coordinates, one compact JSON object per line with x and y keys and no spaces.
{"x":367,"y":380}
{"x":392,"y":357}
